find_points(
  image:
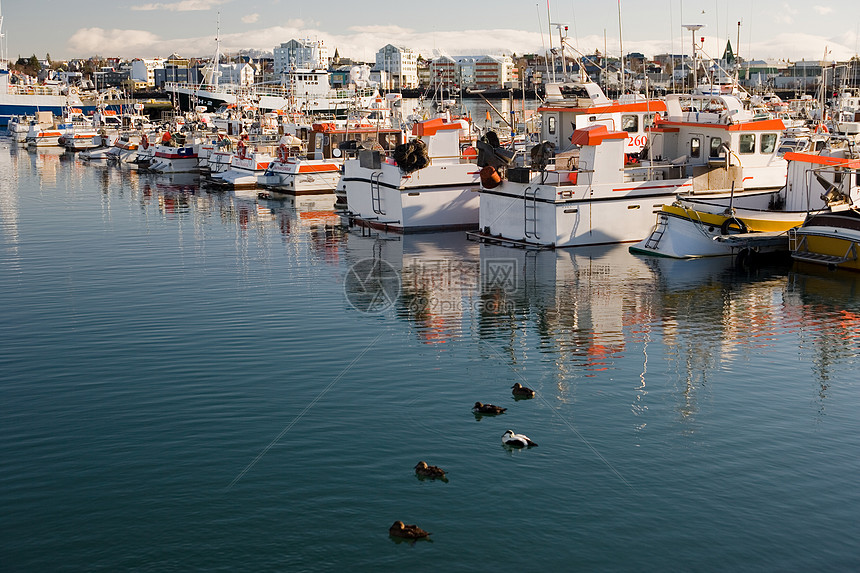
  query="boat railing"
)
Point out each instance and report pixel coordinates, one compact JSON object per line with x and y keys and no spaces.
{"x":267,"y":90}
{"x":565,"y":177}
{"x":18,"y":89}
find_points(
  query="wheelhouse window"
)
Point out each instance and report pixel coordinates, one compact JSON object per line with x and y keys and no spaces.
{"x":768,"y":143}
{"x":695,"y":147}
{"x":551,"y":125}
{"x":649,"y":120}
{"x":747,"y":143}
{"x":716,"y":146}
{"x":630,"y":123}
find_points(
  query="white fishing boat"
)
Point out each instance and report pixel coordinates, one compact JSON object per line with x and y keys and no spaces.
{"x":44,"y":134}
{"x":18,"y":127}
{"x":175,"y":154}
{"x":102,"y":144}
{"x":425,"y":184}
{"x":318,"y":170}
{"x":125,"y":147}
{"x":246,"y":165}
{"x":705,"y":147}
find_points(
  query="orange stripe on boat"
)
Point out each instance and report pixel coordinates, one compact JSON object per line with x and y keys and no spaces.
{"x":328,"y":167}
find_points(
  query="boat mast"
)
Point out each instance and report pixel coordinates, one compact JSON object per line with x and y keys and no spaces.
{"x":693,"y":28}
{"x":549,"y":30}
{"x":621,"y":46}
{"x":3,"y":56}
{"x":216,"y":64}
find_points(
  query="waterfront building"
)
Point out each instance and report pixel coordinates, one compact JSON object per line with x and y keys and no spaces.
{"x":802,"y":75}
{"x":400,"y":65}
{"x":143,"y":70}
{"x":443,"y":72}
{"x":240,"y":74}
{"x":176,"y":74}
{"x":494,"y":72}
{"x":300,"y":54}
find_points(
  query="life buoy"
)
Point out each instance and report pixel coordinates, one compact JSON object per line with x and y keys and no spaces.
{"x":241,"y":148}
{"x":733,"y":225}
{"x":144,"y":142}
{"x":282,"y":152}
{"x":821,"y":128}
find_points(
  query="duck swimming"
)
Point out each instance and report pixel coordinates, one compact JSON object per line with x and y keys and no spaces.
{"x":422,"y":469}
{"x":400,"y":529}
{"x":522,"y":392}
{"x":487,"y":408}
{"x":509,"y":438}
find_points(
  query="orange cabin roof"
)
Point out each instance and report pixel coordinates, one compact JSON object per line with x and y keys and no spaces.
{"x":822,"y":160}
{"x":594,"y":135}
{"x":432,"y":126}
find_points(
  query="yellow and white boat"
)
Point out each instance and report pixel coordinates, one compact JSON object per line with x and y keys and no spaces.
{"x":755,"y":222}
{"x":690,"y":228}
{"x":830,"y":237}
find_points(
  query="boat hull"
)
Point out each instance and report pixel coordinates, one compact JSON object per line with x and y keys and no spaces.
{"x":438,"y":197}
{"x":831,"y":239}
{"x":302,"y":177}
{"x":690,"y":229}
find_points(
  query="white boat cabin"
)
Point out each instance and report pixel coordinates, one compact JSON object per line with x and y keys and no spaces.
{"x":574,"y":105}
{"x":719,"y":142}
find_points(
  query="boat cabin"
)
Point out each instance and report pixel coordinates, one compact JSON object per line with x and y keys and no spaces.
{"x":719,"y":142}
{"x":328,"y":139}
{"x":573,"y":105}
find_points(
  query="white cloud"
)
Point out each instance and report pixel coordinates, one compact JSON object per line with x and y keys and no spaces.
{"x":125,"y":43}
{"x":182,"y":6}
{"x":250,"y":18}
{"x":823,"y":10}
{"x":362,"y":43}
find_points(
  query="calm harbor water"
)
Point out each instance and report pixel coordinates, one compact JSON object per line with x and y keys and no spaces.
{"x":189,"y":382}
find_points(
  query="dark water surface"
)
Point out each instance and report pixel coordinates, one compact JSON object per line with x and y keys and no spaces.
{"x":186,"y":385}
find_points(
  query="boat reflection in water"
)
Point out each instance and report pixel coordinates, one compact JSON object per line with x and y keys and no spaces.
{"x":824,"y":307}
{"x":600,"y":315}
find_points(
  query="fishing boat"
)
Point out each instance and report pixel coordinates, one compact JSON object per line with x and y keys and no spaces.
{"x":426,"y":184}
{"x":744,"y":223}
{"x":246,"y":165}
{"x":44,"y":131}
{"x":125,"y":147}
{"x":830,"y":236}
{"x":318,"y":171}
{"x":18,"y":127}
{"x":175,"y":154}
{"x":705,"y":146}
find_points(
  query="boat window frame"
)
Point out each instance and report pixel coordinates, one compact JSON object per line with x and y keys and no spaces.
{"x":695,"y":150}
{"x":761,"y":145}
{"x":551,"y":126}
{"x":746,"y":144}
{"x":648,"y":120}
{"x":634,"y":128}
{"x":715,"y":151}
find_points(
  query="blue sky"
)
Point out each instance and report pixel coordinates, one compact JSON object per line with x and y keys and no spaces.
{"x":129,"y":28}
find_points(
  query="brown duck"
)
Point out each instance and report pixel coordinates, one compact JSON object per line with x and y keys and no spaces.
{"x":479,"y":408}
{"x":522,"y":392}
{"x":400,"y":529}
{"x":422,"y":469}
